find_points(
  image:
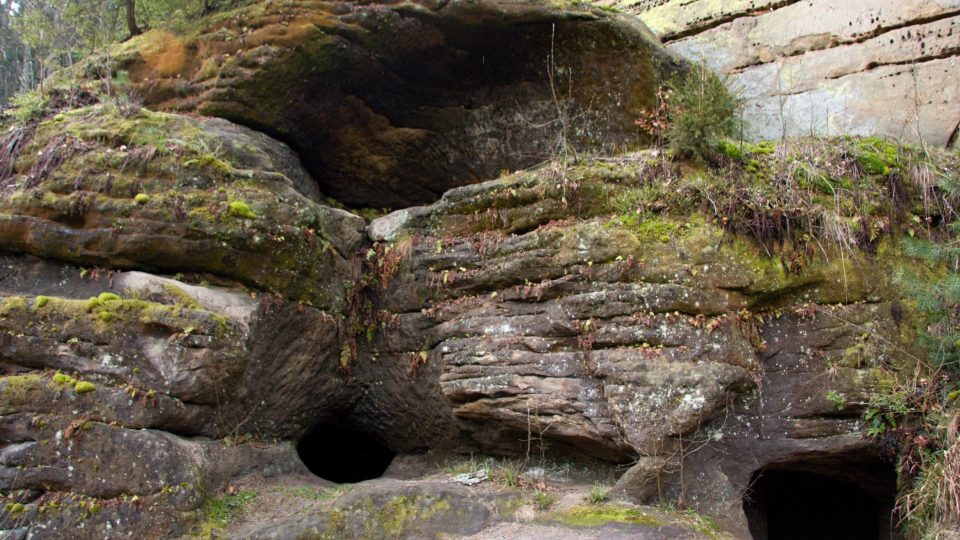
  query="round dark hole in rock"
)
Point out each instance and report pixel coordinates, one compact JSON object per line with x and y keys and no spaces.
{"x":823,"y":499}
{"x":343,"y":455}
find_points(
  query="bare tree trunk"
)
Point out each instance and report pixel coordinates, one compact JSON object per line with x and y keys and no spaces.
{"x":114,"y":18}
{"x":132,"y":19}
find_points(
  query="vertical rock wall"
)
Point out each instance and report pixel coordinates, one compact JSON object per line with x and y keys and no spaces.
{"x":863,"y":67}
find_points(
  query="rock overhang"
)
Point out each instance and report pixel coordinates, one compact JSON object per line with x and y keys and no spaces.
{"x":391,"y":104}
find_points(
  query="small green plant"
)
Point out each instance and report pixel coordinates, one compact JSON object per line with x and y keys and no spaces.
{"x":884,"y":411}
{"x":597,"y":494}
{"x":83,"y":387}
{"x":28,"y":106}
{"x":937,"y":294}
{"x":701,"y":112}
{"x":346,"y":354}
{"x":141,"y":199}
{"x":838,"y":399}
{"x":221,"y":511}
{"x":510,"y":475}
{"x":41,"y":301}
{"x":543,"y":500}
{"x":876,"y":156}
{"x":471,"y":466}
{"x":240,"y":209}
{"x":701,"y":523}
{"x":730,"y":150}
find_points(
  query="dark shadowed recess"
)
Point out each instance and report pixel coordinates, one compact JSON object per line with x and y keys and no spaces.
{"x":849,"y":497}
{"x":343,"y":455}
{"x":416,"y":120}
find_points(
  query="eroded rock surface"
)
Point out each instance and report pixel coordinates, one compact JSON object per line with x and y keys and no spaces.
{"x":860,"y":67}
{"x":615,"y":342}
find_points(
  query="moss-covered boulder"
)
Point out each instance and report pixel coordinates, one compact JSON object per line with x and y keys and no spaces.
{"x":393,"y":103}
{"x":110,"y":187}
{"x":126,"y":391}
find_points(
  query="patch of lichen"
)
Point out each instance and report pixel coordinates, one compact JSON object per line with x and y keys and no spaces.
{"x":109,"y":313}
{"x":180,"y":297}
{"x":21,"y":388}
{"x":602,"y":514}
{"x":692,"y":520}
{"x":397,"y":516}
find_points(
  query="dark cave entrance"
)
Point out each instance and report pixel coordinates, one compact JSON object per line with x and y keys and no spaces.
{"x":343,"y":455}
{"x":823,"y":498}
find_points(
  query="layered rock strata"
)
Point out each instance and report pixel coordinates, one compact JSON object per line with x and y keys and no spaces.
{"x":826,"y":68}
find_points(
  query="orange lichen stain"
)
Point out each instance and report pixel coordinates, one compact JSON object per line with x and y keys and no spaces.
{"x":163,"y":52}
{"x":284,"y":35}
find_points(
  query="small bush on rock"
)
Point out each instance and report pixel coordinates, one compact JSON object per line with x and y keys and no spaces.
{"x":543,"y":500}
{"x":598,"y":494}
{"x":701,"y":112}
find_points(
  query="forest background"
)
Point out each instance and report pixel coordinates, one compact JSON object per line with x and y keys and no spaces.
{"x":37,"y":37}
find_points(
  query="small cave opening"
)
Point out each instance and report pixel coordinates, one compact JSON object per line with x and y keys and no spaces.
{"x":826,"y":498}
{"x":343,"y":455}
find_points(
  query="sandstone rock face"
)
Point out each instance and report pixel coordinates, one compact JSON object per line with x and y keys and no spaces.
{"x":392,"y":103}
{"x":855,"y":67}
{"x":688,"y":349}
{"x":178,"y":305}
{"x":511,"y":317}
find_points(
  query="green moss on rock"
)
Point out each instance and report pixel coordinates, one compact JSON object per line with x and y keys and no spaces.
{"x":83,"y":387}
{"x":62,"y":379}
{"x":240,"y":209}
{"x":597,"y":515}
